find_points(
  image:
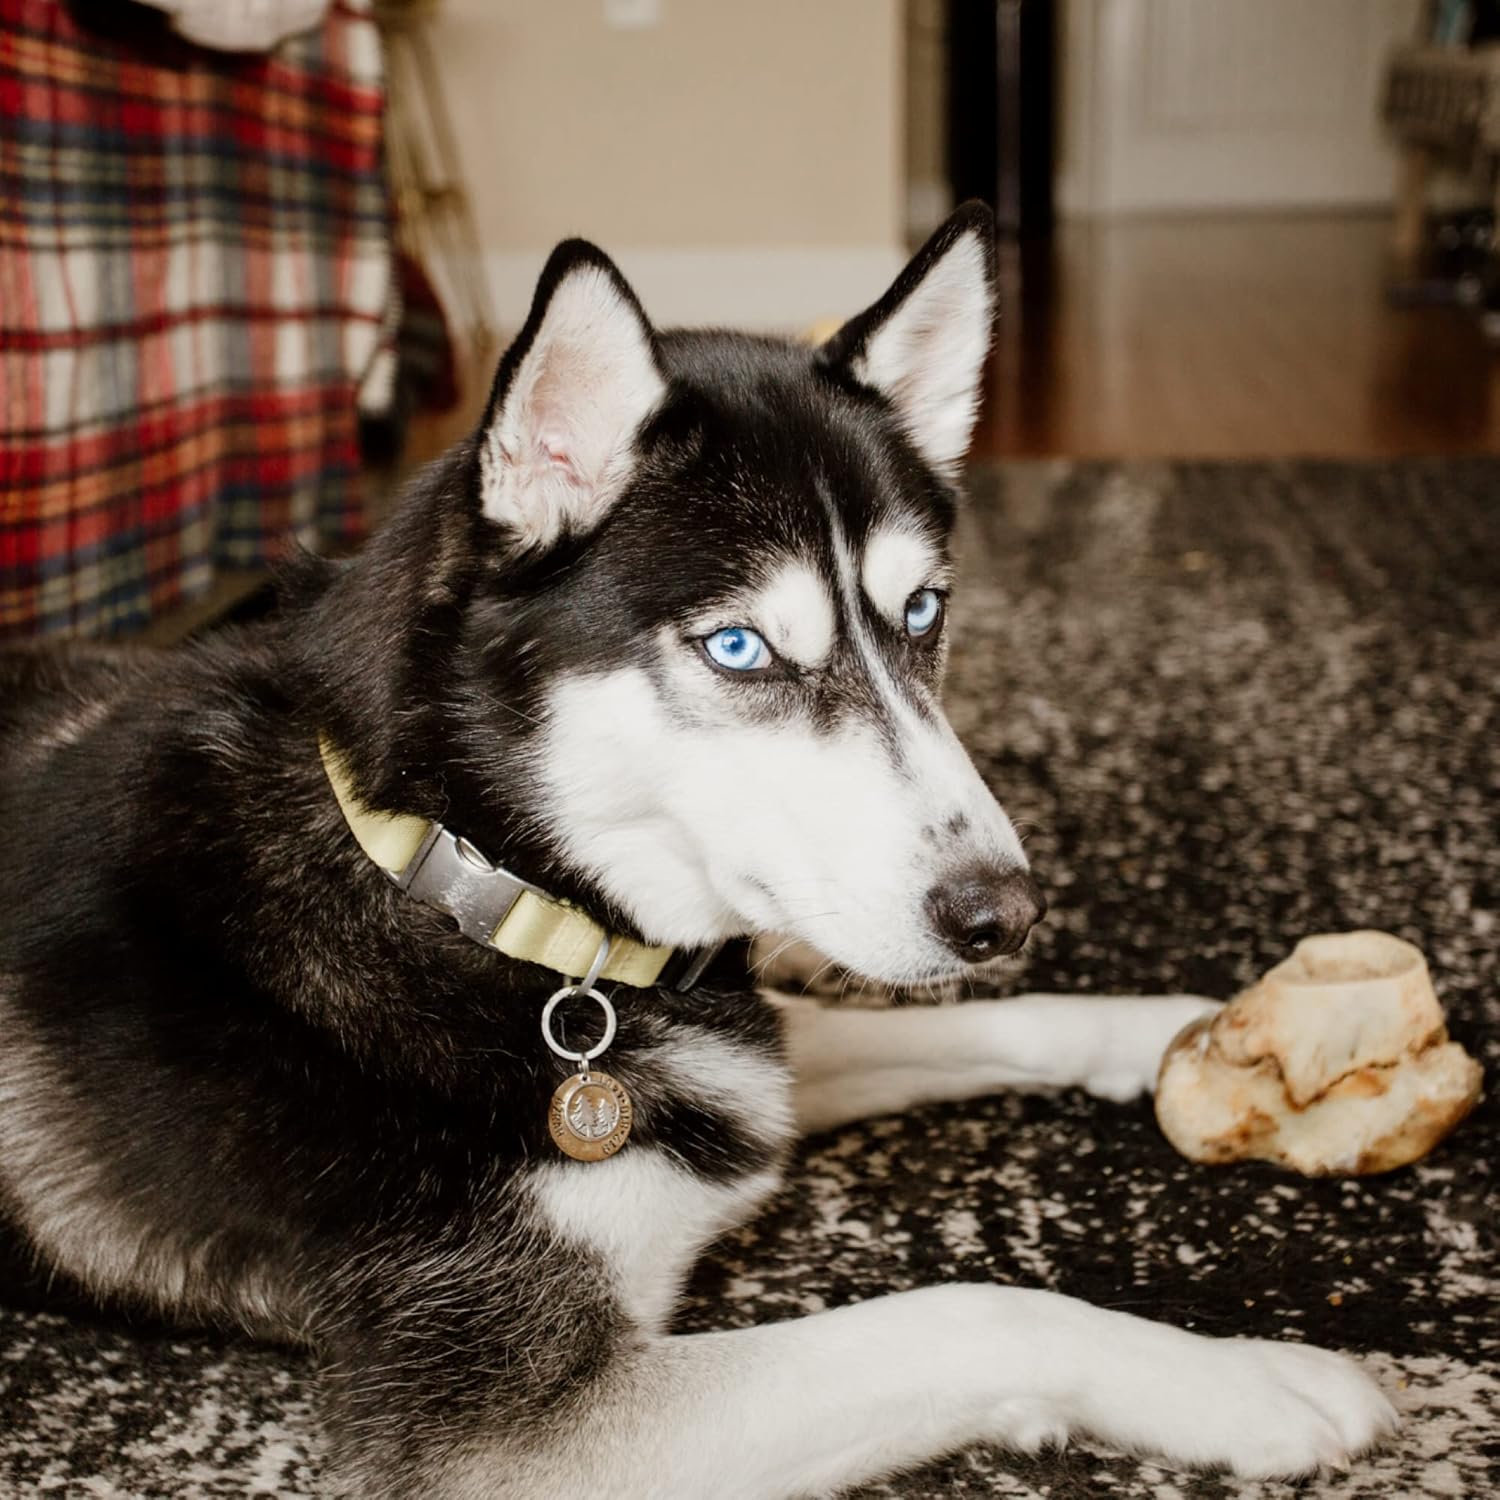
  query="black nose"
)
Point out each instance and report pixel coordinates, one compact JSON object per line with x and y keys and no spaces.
{"x":985,"y":911}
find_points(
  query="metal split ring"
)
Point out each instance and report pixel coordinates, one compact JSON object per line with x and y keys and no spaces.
{"x":602,"y":1001}
{"x":585,"y":986}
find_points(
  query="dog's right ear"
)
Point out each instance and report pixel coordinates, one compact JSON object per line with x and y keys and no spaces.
{"x":923,"y":345}
{"x":570,"y":395}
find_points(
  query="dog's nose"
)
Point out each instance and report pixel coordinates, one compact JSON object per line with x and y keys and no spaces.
{"x":985,"y":911}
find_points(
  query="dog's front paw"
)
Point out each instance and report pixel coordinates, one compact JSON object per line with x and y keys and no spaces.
{"x":1135,"y":1039}
{"x":1267,"y":1410}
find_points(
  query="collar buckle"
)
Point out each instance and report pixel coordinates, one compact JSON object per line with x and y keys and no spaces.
{"x":448,"y":873}
{"x":491,"y":906}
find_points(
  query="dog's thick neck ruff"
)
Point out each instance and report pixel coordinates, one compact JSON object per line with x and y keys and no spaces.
{"x":494,"y":907}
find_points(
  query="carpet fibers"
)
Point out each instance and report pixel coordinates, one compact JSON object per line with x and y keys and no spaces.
{"x":1231,"y":705}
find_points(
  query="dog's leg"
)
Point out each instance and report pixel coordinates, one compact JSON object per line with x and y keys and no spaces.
{"x":850,"y":1063}
{"x":813,"y":1405}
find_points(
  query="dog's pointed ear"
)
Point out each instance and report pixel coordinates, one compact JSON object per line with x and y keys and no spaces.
{"x":570,"y":395}
{"x":923,"y":345}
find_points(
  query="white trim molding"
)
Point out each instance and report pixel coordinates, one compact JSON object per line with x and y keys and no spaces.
{"x":771,"y":289}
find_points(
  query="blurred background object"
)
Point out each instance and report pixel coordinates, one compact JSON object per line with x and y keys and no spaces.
{"x":245,"y":25}
{"x":1234,"y":228}
{"x":434,"y":220}
{"x":194,"y":276}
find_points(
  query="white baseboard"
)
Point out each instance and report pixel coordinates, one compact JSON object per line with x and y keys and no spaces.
{"x":776,"y":289}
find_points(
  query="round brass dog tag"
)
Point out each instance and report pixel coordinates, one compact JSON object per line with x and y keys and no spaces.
{"x":590,"y":1116}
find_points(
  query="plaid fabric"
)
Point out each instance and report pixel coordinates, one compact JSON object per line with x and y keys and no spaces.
{"x":194,"y":267}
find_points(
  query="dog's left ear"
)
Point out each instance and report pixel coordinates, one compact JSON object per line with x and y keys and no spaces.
{"x":570,"y":395}
{"x":923,"y":345}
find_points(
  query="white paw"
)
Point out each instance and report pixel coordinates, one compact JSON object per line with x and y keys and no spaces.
{"x":1268,"y":1410}
{"x":1028,"y":1424}
{"x":1136,"y":1036}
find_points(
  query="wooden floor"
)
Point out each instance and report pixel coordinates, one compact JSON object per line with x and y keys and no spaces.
{"x":1240,"y":337}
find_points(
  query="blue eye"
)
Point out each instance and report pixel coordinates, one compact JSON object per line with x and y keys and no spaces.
{"x":738,"y":649}
{"x":923,"y":611}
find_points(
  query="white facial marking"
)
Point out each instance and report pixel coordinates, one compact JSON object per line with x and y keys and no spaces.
{"x":795,"y":614}
{"x":705,"y":822}
{"x":723,"y":809}
{"x":898,"y":561}
{"x":930,"y":747}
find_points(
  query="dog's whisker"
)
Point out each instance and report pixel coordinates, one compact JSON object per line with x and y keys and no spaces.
{"x":764,"y":963}
{"x":820,"y":971}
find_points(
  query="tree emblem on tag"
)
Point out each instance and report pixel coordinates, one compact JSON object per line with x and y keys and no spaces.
{"x":590,"y":1116}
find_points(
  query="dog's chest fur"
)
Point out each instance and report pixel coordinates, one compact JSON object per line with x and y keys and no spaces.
{"x":647,"y":1219}
{"x":647,"y":1213}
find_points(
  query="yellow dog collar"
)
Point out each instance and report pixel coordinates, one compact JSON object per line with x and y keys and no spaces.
{"x":491,"y":905}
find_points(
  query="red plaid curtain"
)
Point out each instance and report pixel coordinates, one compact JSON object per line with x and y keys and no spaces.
{"x":194,"y":269}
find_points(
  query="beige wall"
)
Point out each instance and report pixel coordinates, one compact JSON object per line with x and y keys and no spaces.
{"x":758,"y":143}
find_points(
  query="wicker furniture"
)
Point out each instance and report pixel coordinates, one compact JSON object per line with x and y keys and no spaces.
{"x":1443,"y":106}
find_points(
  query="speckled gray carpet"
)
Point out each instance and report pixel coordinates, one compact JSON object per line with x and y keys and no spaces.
{"x":1234,"y":704}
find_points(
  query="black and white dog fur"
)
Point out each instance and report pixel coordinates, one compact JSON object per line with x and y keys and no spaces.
{"x":665,"y":638}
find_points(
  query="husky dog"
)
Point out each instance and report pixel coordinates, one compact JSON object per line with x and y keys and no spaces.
{"x":659,"y":650}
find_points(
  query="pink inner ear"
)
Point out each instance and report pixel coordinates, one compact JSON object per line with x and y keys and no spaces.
{"x":558,"y":444}
{"x":555,"y":450}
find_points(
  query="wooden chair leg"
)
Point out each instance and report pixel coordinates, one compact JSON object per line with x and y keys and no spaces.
{"x":1407,"y":231}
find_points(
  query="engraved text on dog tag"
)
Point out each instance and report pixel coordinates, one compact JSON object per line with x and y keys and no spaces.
{"x":590,"y":1116}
